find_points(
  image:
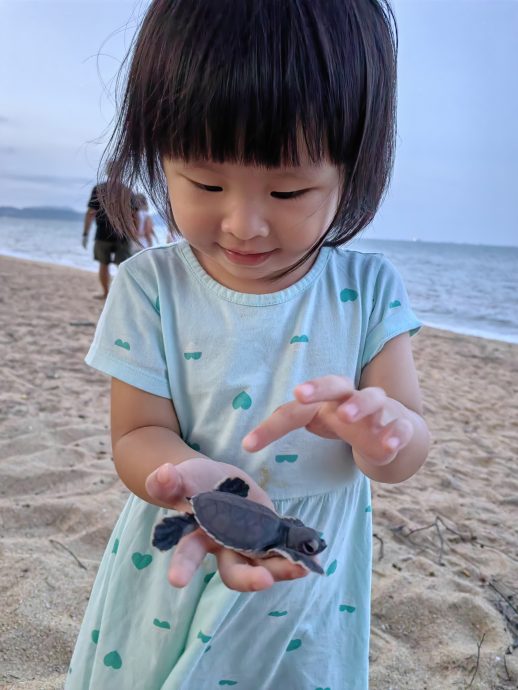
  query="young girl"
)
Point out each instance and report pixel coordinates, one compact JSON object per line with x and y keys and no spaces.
{"x":256,"y":347}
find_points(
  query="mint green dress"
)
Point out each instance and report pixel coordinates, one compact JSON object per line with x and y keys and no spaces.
{"x":227,"y":360}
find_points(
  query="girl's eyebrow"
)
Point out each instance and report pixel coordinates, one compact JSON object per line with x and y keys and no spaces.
{"x":299,"y":173}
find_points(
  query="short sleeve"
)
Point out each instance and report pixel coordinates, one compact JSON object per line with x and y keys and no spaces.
{"x":94,"y":200}
{"x":391,"y":313}
{"x":128,"y":343}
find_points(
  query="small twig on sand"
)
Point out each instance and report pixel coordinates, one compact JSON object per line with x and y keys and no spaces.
{"x":382,"y":547}
{"x":479,"y":645}
{"x":437,"y":524}
{"x":81,"y":565}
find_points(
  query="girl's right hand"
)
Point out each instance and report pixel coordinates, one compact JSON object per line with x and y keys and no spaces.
{"x":172,"y":484}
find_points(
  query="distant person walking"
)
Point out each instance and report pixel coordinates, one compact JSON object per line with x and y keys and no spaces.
{"x":144,"y":231}
{"x":109,"y":246}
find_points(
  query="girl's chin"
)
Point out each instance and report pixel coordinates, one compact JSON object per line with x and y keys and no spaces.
{"x":249,"y":275}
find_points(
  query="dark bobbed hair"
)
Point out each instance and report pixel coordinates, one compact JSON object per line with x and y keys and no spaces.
{"x":247,"y":81}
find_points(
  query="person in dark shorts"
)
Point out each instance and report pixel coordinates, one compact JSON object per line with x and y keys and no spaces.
{"x":109,"y":246}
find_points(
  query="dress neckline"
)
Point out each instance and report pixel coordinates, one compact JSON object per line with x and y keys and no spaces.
{"x":251,"y":299}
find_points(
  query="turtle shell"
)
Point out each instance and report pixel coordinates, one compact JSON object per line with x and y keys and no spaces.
{"x":238,"y":523}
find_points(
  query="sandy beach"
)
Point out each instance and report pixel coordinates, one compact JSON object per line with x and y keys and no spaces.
{"x":445,"y":592}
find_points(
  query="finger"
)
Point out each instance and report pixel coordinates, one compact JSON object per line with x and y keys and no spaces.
{"x":282,"y":568}
{"x":324,"y":389}
{"x":380,"y":444}
{"x":288,"y":417}
{"x":187,"y":557}
{"x":396,"y":435}
{"x":239,"y":574}
{"x":362,"y":404}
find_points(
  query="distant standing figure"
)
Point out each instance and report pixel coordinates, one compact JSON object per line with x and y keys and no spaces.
{"x":109,"y":247}
{"x":144,"y":231}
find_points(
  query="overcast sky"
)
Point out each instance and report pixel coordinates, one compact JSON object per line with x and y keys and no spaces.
{"x":456,"y":169}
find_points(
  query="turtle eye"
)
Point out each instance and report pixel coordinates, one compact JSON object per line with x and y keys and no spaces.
{"x":310,"y":547}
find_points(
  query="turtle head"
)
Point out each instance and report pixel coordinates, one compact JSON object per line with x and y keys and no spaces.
{"x":305,"y":540}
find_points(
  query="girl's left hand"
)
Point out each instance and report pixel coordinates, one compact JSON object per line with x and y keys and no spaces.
{"x":331,"y":407}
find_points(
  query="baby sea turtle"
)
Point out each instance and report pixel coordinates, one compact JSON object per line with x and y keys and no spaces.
{"x":238,"y":523}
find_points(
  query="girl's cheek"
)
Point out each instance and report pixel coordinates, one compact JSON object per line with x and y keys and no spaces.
{"x":298,"y":226}
{"x":187,"y":206}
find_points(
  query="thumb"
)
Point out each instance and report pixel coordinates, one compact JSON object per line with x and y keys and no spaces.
{"x":172,"y":484}
{"x":166,"y":485}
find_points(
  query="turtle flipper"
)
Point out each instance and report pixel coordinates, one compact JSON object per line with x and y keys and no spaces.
{"x":234,"y":485}
{"x":169,"y":532}
{"x":295,"y":557}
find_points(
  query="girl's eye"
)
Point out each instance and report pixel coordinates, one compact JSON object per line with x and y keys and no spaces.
{"x":289,"y":195}
{"x":208,"y":187}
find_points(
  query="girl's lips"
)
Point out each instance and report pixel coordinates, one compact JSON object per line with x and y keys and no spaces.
{"x":246,"y":259}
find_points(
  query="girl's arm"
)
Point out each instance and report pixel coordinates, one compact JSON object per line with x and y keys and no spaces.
{"x":393,"y":372}
{"x":381,"y":420}
{"x":145,"y":435}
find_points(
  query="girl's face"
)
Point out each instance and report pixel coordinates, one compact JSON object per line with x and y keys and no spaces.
{"x":246,"y":224}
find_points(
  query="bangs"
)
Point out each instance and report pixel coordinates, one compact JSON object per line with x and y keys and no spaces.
{"x":247,"y":81}
{"x":260,"y":82}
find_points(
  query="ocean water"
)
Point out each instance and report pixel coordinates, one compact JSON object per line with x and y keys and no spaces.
{"x":470,"y":289}
{"x":464,"y":288}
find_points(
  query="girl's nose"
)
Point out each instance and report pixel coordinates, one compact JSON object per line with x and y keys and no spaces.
{"x":245,"y":222}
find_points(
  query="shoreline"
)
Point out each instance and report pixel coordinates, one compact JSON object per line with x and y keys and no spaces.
{"x":483,"y":335}
{"x":18,"y":257}
{"x":445,"y":559}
